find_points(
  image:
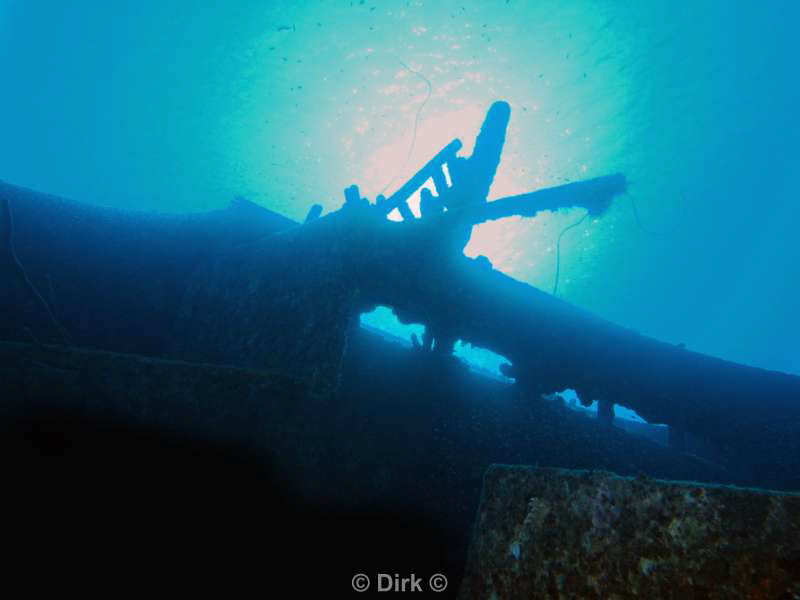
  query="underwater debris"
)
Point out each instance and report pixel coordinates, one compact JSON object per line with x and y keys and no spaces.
{"x":587,"y":534}
{"x":417,"y":268}
{"x":605,"y":412}
{"x":255,"y":289}
{"x":313,"y":213}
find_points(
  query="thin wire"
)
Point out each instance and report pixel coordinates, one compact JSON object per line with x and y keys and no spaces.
{"x":558,"y":249}
{"x":416,"y":124}
{"x":638,"y":223}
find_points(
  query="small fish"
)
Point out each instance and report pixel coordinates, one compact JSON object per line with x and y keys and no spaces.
{"x":285,"y":28}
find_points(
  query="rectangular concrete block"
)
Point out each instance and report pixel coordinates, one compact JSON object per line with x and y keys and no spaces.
{"x":552,"y":533}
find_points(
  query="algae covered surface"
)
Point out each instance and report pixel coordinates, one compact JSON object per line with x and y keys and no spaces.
{"x":554,"y":533}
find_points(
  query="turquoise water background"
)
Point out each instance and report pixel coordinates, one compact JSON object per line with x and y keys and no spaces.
{"x":180,"y":106}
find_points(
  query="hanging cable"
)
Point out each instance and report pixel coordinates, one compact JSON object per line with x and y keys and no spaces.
{"x":416,"y":124}
{"x":558,"y":249}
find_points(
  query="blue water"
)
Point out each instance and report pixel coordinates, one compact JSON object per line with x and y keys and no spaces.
{"x":180,"y":106}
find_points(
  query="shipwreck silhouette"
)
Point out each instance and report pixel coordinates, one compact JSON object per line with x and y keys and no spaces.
{"x":236,"y":333}
{"x":251,"y":288}
{"x":416,"y":267}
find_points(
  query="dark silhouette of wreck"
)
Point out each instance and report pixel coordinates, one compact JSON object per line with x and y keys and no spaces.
{"x":128,"y":339}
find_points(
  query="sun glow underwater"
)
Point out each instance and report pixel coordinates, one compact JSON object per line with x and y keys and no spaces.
{"x":490,"y":238}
